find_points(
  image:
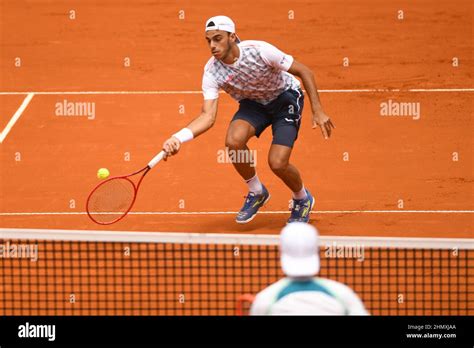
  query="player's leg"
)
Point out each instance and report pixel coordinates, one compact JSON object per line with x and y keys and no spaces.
{"x":249,"y":121}
{"x":238,"y":134}
{"x":287,"y":110}
{"x":303,"y":201}
{"x":279,"y":161}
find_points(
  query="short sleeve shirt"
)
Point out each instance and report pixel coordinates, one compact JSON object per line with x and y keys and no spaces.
{"x":259,"y":74}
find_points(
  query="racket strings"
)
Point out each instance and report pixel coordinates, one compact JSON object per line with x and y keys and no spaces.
{"x":111,"y":200}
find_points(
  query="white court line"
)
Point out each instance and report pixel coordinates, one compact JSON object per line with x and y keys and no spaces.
{"x":16,"y":116}
{"x":366,"y":90}
{"x":260,"y":212}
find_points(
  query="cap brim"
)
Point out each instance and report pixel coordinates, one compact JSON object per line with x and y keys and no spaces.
{"x":301,"y":266}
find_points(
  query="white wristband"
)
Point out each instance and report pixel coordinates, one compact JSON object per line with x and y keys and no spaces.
{"x":184,"y":135}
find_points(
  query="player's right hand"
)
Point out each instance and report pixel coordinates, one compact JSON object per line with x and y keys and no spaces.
{"x":171,"y":147}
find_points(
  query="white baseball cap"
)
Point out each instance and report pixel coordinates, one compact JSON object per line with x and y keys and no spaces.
{"x":299,"y":250}
{"x":221,"y":23}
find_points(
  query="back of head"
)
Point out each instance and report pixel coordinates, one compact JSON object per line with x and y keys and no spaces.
{"x":299,"y":250}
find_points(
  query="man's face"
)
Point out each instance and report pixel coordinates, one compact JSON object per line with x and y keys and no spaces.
{"x":220,"y":43}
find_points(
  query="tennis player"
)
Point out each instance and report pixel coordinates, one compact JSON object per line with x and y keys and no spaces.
{"x":262,"y":79}
{"x":302,"y":292}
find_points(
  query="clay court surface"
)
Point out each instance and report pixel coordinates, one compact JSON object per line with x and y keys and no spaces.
{"x":140,"y":64}
{"x":358,"y":176}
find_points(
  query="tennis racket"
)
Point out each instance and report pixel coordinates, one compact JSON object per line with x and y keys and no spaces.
{"x":111,"y":200}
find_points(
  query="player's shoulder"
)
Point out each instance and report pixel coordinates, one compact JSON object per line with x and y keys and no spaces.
{"x":211,"y":63}
{"x":271,"y":290}
{"x":265,"y":298}
{"x":336,"y":287}
{"x":258,"y":44}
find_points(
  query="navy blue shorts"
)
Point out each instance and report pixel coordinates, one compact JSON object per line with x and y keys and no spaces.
{"x":283,"y":113}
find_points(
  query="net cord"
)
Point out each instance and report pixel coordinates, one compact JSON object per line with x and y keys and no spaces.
{"x":232,"y":239}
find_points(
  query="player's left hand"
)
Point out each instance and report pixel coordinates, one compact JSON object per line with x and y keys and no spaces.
{"x":320,"y":119}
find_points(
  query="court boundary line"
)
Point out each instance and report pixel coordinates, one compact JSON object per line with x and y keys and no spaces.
{"x":16,"y":116}
{"x":229,"y":239}
{"x":165,"y":92}
{"x":260,"y":212}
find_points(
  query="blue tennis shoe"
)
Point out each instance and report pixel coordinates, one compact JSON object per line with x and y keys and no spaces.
{"x":252,"y":203}
{"x":301,"y":208}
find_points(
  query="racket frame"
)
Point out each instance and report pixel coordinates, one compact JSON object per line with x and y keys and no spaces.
{"x":135,"y":193}
{"x":155,"y":160}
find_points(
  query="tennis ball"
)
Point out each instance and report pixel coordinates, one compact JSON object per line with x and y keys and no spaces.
{"x":103,"y":173}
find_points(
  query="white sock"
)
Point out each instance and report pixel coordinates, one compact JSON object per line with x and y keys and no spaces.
{"x":300,"y":194}
{"x":254,"y":185}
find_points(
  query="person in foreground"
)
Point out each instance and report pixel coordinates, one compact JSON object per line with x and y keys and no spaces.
{"x":302,"y":292}
{"x":262,"y":79}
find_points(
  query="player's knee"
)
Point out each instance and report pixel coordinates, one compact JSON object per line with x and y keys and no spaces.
{"x":277,"y":164}
{"x":234,"y":141}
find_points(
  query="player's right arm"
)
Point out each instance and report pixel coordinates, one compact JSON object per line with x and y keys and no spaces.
{"x":204,"y":121}
{"x":199,"y":125}
{"x":259,"y":306}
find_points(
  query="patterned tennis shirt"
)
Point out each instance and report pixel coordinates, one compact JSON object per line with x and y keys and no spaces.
{"x":259,"y":74}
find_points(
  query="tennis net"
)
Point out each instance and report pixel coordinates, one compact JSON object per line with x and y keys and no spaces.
{"x":64,"y":272}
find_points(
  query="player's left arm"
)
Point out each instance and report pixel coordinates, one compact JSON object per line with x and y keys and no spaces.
{"x":319,"y":116}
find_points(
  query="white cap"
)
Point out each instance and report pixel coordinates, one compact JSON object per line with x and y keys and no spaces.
{"x":299,"y":250}
{"x":221,"y":23}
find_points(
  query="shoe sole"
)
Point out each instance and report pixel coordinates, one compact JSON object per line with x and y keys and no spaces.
{"x":311,"y":209}
{"x":253,"y":216}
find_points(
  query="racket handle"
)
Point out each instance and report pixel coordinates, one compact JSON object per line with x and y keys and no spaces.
{"x":156,"y":159}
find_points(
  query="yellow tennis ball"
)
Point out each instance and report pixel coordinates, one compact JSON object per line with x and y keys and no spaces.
{"x":103,"y":173}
